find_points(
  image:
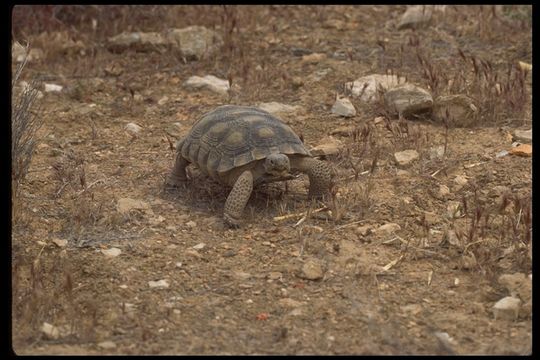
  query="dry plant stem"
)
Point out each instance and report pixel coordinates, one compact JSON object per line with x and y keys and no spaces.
{"x":25,"y":122}
{"x":291,"y":216}
{"x":350,"y":224}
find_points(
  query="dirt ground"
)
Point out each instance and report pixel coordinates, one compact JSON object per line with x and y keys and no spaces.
{"x":428,"y":287}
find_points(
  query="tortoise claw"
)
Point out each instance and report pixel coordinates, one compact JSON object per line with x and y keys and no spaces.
{"x":231,"y":222}
{"x":175,"y":181}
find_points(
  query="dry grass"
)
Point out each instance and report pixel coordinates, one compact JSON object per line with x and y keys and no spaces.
{"x":25,"y":122}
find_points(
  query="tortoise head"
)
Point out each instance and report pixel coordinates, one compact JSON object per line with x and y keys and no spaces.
{"x":277,"y":165}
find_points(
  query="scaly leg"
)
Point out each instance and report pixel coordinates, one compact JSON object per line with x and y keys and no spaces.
{"x":237,"y":199}
{"x":178,"y":176}
{"x":319,"y":173}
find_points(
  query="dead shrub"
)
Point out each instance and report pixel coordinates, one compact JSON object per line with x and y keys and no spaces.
{"x":25,"y":123}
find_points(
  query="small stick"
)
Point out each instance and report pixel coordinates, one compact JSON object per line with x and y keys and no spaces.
{"x":349,"y":224}
{"x":290,"y":216}
{"x":89,"y":186}
{"x":438,"y":171}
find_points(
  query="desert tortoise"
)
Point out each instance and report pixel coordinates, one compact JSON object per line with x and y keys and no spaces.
{"x":243,"y":146}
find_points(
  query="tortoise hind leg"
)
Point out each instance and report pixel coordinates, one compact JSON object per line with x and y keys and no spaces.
{"x":178,"y":175}
{"x":237,"y":199}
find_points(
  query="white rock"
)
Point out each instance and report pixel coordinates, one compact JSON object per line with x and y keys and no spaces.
{"x":107,"y":345}
{"x":18,"y":53}
{"x":366,"y":87}
{"x":161,"y":284}
{"x":133,"y":128}
{"x":53,"y":88}
{"x":276,"y":108}
{"x":507,"y":308}
{"x":199,"y":246}
{"x":453,"y":209}
{"x":112,"y":252}
{"x":343,"y":107}
{"x":60,"y":242}
{"x":458,"y":110}
{"x":329,"y":145}
{"x":50,"y":331}
{"x":406,"y":157}
{"x":140,"y":41}
{"x":445,"y":338}
{"x":461,"y":180}
{"x":194,"y":42}
{"x":208,"y":82}
{"x":178,"y":264}
{"x":125,"y":205}
{"x":415,"y":16}
{"x":523,"y":135}
{"x":312,"y":270}
{"x":191,"y":224}
{"x":388,"y":228}
{"x":290,"y":303}
{"x":436,"y":152}
{"x":502,"y":153}
{"x":408,"y":100}
{"x":163,"y":100}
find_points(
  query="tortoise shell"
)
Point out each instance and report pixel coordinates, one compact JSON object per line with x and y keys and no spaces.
{"x":231,"y":136}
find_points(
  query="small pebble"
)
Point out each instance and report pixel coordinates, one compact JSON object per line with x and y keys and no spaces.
{"x":60,"y":242}
{"x":112,"y":252}
{"x":388,"y":228}
{"x":312,"y":270}
{"x":53,"y":88}
{"x":50,"y":331}
{"x":107,"y":345}
{"x":133,"y":128}
{"x":161,"y":284}
{"x":507,"y":308}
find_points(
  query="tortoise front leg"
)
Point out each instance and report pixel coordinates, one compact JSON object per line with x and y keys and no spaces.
{"x":178,"y":173}
{"x":237,"y":199}
{"x":319,"y":173}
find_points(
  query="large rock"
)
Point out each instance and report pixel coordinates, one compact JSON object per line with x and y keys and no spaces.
{"x":507,"y":308}
{"x":523,"y":136}
{"x":18,"y":53}
{"x":408,"y":100}
{"x":312,"y":270}
{"x":416,"y":16}
{"x":458,"y":110}
{"x":138,"y":41}
{"x":366,"y":87}
{"x":329,"y":145}
{"x":276,"y":108}
{"x":343,"y":107}
{"x":208,"y":82}
{"x":194,"y":42}
{"x":406,"y":157}
{"x":125,"y":205}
